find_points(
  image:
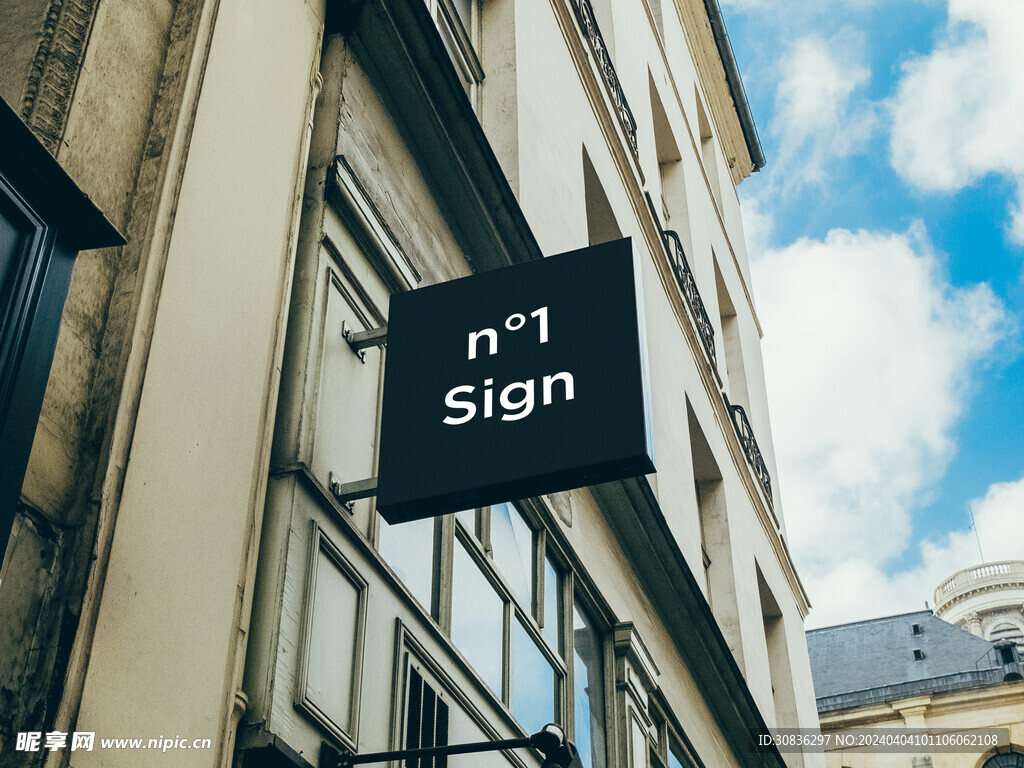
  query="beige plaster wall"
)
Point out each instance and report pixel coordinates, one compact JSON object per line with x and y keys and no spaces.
{"x":163,"y":658}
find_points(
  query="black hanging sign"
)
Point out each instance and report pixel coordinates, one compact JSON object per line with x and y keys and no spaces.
{"x":514,"y":383}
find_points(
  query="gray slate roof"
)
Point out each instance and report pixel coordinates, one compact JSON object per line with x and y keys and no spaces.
{"x":871,"y":661}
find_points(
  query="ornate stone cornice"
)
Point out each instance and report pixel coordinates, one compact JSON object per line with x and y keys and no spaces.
{"x":959,"y":597}
{"x":54,"y":71}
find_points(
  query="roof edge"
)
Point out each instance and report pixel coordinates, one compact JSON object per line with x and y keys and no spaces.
{"x":735,"y":82}
{"x":870,"y":621}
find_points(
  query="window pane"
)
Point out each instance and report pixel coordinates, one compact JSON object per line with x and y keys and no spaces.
{"x":533,"y":683}
{"x":588,"y":690}
{"x":409,"y":550}
{"x":674,"y":761}
{"x":478,"y":618}
{"x":552,"y":589}
{"x":468,"y":519}
{"x":465,"y":10}
{"x":512,"y":549}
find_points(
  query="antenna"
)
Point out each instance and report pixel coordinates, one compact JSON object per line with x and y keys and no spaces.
{"x":976,"y":536}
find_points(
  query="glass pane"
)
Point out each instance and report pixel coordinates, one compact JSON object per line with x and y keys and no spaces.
{"x":674,"y":761}
{"x":465,"y":10}
{"x":588,"y":690}
{"x":468,"y":519}
{"x":512,"y":550}
{"x":533,"y":683}
{"x":478,"y":617}
{"x":409,"y":550}
{"x":552,"y":589}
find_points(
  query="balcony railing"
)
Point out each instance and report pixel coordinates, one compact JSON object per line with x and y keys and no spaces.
{"x":754,"y":458}
{"x":688,"y":286}
{"x":1011,"y":571}
{"x":588,"y":24}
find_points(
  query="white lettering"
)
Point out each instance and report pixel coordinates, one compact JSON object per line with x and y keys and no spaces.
{"x":468,"y":406}
{"x":525,"y":403}
{"x":566,"y":378}
{"x":488,"y":398}
{"x":492,"y":342}
{"x":542,"y":318}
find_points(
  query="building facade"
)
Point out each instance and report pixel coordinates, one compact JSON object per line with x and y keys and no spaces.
{"x":986,"y":600}
{"x":280,"y":168}
{"x":916,"y":671}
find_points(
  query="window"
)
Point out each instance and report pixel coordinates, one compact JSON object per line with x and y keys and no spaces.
{"x":504,"y":612}
{"x":426,"y":722}
{"x":715,"y":538}
{"x":1006,"y":631}
{"x":707,"y":151}
{"x":674,"y":210}
{"x":735,"y":373}
{"x":667,"y":746}
{"x":478,"y":618}
{"x":409,"y":550}
{"x":502,"y":595}
{"x":458,"y":21}
{"x":918,"y":655}
{"x":601,"y":224}
{"x":588,"y":689}
{"x":779,"y":668}
{"x":1007,"y":760}
{"x":915,"y":628}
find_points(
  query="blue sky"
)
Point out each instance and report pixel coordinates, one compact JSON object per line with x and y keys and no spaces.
{"x":887,"y":246}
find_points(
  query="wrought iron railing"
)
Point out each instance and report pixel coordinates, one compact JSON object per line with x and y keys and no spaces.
{"x":588,"y":23}
{"x":688,"y":286}
{"x":750,"y":447}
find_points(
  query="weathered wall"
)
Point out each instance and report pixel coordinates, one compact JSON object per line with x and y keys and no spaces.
{"x":96,"y":121}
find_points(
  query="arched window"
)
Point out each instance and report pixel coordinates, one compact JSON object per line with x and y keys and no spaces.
{"x":1008,"y":760}
{"x":1006,"y":631}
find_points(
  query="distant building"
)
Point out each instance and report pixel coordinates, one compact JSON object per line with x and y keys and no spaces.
{"x":986,"y":600}
{"x":916,"y":671}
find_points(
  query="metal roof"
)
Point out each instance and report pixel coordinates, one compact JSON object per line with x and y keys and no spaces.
{"x":881,"y":659}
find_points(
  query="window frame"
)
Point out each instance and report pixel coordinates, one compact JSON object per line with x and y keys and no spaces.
{"x":481,"y":553}
{"x":461,"y":43}
{"x":575,"y":587}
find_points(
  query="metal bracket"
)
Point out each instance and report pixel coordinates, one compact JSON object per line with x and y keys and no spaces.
{"x":361,"y":340}
{"x":348,"y":494}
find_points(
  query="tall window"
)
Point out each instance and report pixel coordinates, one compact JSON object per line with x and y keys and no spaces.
{"x":588,"y":689}
{"x":668,"y":748}
{"x":458,"y":21}
{"x":409,"y":550}
{"x":707,"y":151}
{"x":735,"y":371}
{"x":499,"y":597}
{"x":783,"y":696}
{"x":504,"y":612}
{"x":601,"y":224}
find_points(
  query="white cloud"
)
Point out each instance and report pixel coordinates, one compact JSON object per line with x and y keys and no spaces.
{"x":758,"y":225}
{"x":818,"y":114}
{"x":868,"y":351}
{"x":958,"y":112}
{"x":858,"y":589}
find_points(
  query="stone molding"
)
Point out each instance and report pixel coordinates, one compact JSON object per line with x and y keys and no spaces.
{"x":55,"y":68}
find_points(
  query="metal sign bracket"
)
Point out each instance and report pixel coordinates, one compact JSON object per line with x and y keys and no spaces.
{"x":359,"y":341}
{"x":349,"y":493}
